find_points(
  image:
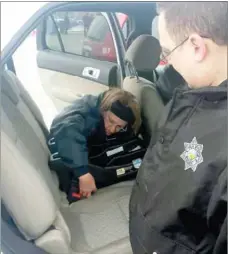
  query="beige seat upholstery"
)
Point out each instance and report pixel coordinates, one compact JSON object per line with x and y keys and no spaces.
{"x":144,"y":55}
{"x":30,"y":193}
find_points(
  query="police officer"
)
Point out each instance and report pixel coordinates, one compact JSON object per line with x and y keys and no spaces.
{"x":179,"y":201}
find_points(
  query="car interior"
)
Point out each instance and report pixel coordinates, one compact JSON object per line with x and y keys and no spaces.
{"x":55,"y":67}
{"x":30,"y":190}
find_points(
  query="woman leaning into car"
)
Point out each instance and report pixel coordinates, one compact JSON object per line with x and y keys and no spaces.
{"x":89,"y":118}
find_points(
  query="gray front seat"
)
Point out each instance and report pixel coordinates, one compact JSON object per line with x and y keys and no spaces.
{"x":144,"y":55}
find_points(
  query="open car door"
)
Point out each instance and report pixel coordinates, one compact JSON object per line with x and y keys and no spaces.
{"x":81,"y":47}
{"x":78,"y":54}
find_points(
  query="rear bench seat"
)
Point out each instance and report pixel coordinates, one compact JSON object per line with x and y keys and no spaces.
{"x":30,"y":192}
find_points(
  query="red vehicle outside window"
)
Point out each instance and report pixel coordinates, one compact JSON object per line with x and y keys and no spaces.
{"x":98,"y":42}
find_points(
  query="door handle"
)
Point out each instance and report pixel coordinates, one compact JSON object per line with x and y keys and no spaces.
{"x":91,"y":72}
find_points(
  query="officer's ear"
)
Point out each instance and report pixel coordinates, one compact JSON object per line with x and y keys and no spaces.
{"x":198,"y":46}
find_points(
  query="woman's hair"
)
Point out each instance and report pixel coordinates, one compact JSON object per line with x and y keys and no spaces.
{"x":126,"y":99}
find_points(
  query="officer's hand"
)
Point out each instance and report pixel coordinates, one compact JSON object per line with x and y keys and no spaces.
{"x":87,"y":185}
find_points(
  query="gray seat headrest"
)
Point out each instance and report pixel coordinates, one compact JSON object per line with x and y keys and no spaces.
{"x":144,"y":53}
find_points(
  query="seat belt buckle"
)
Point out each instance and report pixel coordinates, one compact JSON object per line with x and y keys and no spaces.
{"x":74,"y":192}
{"x":76,"y":195}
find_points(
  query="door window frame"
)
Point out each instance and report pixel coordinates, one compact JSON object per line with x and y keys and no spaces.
{"x":119,"y":44}
{"x":38,"y":20}
{"x":113,"y":30}
{"x":61,"y":43}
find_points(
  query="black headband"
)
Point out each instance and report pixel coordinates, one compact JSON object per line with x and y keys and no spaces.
{"x":123,"y":112}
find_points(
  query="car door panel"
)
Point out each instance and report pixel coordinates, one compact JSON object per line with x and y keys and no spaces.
{"x":66,"y":73}
{"x":102,"y":72}
{"x":67,"y":77}
{"x":64,"y":88}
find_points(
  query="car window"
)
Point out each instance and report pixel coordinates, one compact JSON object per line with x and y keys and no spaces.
{"x":98,"y":29}
{"x":52,"y":40}
{"x":124,"y":23}
{"x":82,"y":33}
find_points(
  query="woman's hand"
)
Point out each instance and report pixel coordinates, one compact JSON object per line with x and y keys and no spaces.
{"x":87,"y":185}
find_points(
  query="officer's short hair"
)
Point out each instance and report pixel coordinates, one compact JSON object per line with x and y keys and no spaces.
{"x":208,"y":19}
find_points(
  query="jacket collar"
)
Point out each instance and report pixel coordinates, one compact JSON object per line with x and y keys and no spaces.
{"x":210,"y":93}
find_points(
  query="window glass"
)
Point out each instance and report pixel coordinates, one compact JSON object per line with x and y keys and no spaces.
{"x":52,"y":40}
{"x":124,"y":23}
{"x":98,"y":29}
{"x":82,"y":33}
